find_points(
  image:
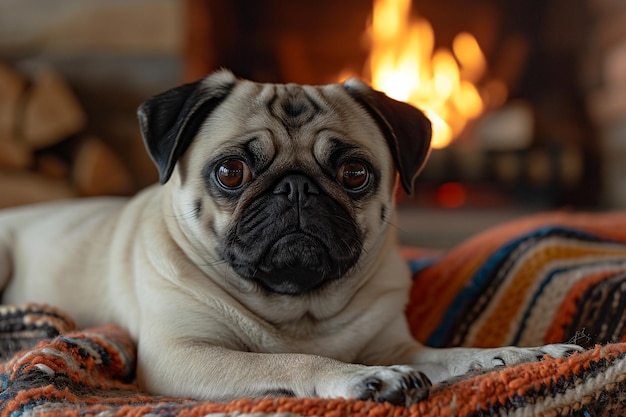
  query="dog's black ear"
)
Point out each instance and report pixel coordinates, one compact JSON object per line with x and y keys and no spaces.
{"x":169,"y":121}
{"x":406,"y":129}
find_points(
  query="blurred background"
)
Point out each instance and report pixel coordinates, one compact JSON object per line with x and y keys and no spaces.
{"x":527,"y":97}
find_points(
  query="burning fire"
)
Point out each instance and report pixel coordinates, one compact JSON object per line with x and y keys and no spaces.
{"x":404,"y":65}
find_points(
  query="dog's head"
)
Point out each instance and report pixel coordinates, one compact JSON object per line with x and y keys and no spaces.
{"x":290,"y":185}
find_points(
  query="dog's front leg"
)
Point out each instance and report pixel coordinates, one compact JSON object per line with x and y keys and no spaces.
{"x":441,"y":364}
{"x":202,"y":371}
{"x":395,"y":345}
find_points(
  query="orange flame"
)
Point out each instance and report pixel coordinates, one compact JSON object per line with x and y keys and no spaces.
{"x":403,"y":64}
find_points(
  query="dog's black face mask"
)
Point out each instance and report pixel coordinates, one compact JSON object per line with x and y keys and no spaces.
{"x":296,"y":228}
{"x":293,"y":239}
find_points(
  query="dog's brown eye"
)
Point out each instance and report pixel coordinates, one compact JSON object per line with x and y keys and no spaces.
{"x":233,"y":173}
{"x":353,"y":175}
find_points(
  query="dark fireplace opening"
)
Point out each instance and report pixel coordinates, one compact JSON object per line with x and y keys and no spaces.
{"x":549,"y":79}
{"x":539,"y":147}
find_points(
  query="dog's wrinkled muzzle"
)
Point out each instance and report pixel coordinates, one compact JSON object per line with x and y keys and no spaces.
{"x":294,"y":238}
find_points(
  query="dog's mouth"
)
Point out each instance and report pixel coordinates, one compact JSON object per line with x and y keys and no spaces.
{"x":293,"y":243}
{"x":297,"y":263}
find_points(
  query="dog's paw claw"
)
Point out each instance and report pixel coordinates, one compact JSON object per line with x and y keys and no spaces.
{"x":560,"y":350}
{"x":497,"y":362}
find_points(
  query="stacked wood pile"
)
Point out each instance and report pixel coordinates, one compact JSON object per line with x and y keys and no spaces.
{"x":46,"y":151}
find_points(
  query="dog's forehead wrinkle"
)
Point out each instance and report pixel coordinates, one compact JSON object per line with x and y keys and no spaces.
{"x":294,"y":106}
{"x":296,"y":113}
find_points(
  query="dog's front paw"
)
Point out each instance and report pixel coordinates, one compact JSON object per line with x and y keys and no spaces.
{"x":492,"y":358}
{"x":398,"y":384}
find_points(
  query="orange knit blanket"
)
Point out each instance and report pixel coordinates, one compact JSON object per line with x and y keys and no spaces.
{"x":546,"y":279}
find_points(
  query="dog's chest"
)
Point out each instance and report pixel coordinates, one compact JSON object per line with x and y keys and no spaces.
{"x":332,"y":339}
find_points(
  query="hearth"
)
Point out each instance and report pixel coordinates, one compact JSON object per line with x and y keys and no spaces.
{"x":501,"y":81}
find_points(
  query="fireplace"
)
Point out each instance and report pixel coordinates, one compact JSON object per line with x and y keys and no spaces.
{"x":513,"y":128}
{"x":544,"y":80}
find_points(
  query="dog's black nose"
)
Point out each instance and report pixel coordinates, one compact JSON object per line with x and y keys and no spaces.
{"x":297,"y":188}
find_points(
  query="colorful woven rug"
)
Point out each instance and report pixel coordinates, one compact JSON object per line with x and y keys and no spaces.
{"x":545,"y":279}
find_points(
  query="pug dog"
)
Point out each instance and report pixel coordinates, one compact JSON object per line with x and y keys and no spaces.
{"x":265,"y":263}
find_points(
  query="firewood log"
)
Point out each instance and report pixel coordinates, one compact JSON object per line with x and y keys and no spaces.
{"x":99,"y":171}
{"x":51,"y":112}
{"x":12,"y":87}
{"x":23,"y":187}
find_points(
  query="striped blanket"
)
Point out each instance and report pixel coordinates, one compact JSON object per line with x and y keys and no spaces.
{"x":544,"y":279}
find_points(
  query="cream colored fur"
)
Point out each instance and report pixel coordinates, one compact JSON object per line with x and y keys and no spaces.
{"x":148,"y":265}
